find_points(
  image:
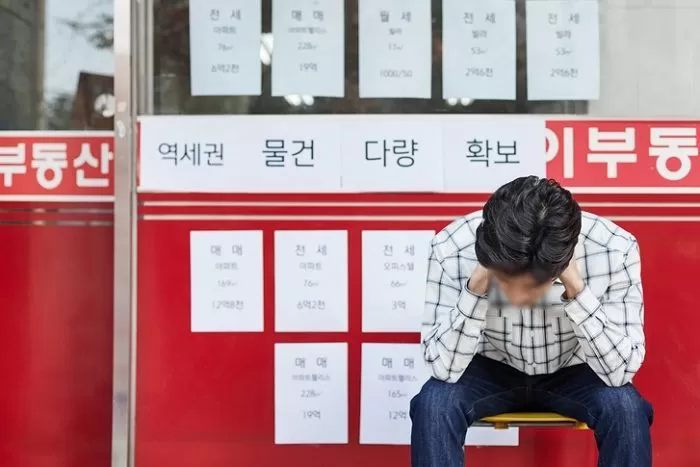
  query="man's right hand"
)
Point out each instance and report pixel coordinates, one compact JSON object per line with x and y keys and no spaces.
{"x":480,"y":281}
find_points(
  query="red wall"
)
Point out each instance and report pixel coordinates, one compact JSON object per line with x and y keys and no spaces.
{"x":56,"y":337}
{"x":203,"y":401}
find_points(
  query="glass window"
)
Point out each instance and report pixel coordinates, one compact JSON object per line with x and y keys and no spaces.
{"x":56,"y":64}
{"x":646,"y":68}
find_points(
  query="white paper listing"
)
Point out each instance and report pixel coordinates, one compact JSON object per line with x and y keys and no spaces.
{"x":225,"y":47}
{"x":311,"y":281}
{"x":395,"y":48}
{"x":478,"y":49}
{"x":311,"y":393}
{"x":394,"y":271}
{"x":308,"y":56}
{"x":486,"y":153}
{"x":398,"y":155}
{"x":563,"y":50}
{"x":226,"y":281}
{"x":392,"y":374}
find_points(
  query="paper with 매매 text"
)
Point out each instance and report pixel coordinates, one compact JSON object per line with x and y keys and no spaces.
{"x":308,"y":56}
{"x":226,"y":280}
{"x":311,"y":393}
{"x":392,"y":374}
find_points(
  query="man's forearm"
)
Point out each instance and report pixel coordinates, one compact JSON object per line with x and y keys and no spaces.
{"x":451,"y":342}
{"x":613,"y":354}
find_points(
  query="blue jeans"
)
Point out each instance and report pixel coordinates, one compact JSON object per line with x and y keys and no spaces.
{"x":442,"y":412}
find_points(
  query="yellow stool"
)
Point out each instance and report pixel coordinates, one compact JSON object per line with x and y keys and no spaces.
{"x":527,"y":419}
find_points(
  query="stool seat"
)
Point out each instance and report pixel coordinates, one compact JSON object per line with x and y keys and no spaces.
{"x":526,"y":419}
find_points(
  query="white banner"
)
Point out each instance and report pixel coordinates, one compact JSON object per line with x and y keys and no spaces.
{"x":337,"y":154}
{"x":392,"y":155}
{"x":483,"y":153}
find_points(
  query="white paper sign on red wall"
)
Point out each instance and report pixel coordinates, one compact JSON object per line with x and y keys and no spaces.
{"x":418,"y":154}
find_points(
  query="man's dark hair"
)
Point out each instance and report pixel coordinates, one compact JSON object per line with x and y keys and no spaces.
{"x":530,"y":225}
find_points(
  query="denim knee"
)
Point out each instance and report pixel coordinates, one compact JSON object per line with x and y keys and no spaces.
{"x":621,"y":406}
{"x":438,"y":401}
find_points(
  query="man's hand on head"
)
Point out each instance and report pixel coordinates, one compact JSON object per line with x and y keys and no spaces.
{"x":572,"y":280}
{"x":480,"y":281}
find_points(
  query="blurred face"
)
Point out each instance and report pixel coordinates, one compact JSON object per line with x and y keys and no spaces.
{"x":521,"y":290}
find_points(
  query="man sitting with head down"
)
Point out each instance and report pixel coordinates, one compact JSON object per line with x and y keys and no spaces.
{"x":532,"y":305}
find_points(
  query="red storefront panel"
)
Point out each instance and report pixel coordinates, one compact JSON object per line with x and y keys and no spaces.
{"x":216,"y":390}
{"x":56,"y":292}
{"x":208,"y":398}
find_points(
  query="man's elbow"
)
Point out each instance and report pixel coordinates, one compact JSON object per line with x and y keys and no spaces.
{"x":442,"y":365}
{"x":443,"y":374}
{"x":625,"y":373}
{"x":618,"y":380}
{"x":439,"y":370}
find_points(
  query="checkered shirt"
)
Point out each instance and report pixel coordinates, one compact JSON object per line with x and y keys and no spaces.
{"x":602,"y":326}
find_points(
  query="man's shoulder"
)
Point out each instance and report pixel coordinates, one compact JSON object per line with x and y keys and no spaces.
{"x":458,"y":235}
{"x":597,"y":231}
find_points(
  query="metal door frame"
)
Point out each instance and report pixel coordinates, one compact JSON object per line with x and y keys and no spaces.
{"x":133,"y":90}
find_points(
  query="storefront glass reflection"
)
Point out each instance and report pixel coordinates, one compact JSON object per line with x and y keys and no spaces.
{"x":56,"y":64}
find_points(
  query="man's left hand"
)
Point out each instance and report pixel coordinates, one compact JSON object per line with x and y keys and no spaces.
{"x":572,"y":280}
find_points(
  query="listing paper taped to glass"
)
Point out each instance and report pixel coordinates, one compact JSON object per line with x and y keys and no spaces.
{"x":478,"y":49}
{"x":308,"y":53}
{"x":225,"y":48}
{"x":563,"y":50}
{"x":395,"y":48}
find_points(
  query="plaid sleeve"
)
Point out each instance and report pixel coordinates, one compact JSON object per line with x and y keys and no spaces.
{"x":611,"y":330}
{"x":452,"y":322}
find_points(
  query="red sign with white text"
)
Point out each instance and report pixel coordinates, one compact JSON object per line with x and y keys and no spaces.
{"x":594,"y":156}
{"x":46,"y":166}
{"x":624,"y":156}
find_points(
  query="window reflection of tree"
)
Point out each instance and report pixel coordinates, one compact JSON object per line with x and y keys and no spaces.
{"x":172,"y":75}
{"x":86,"y":109}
